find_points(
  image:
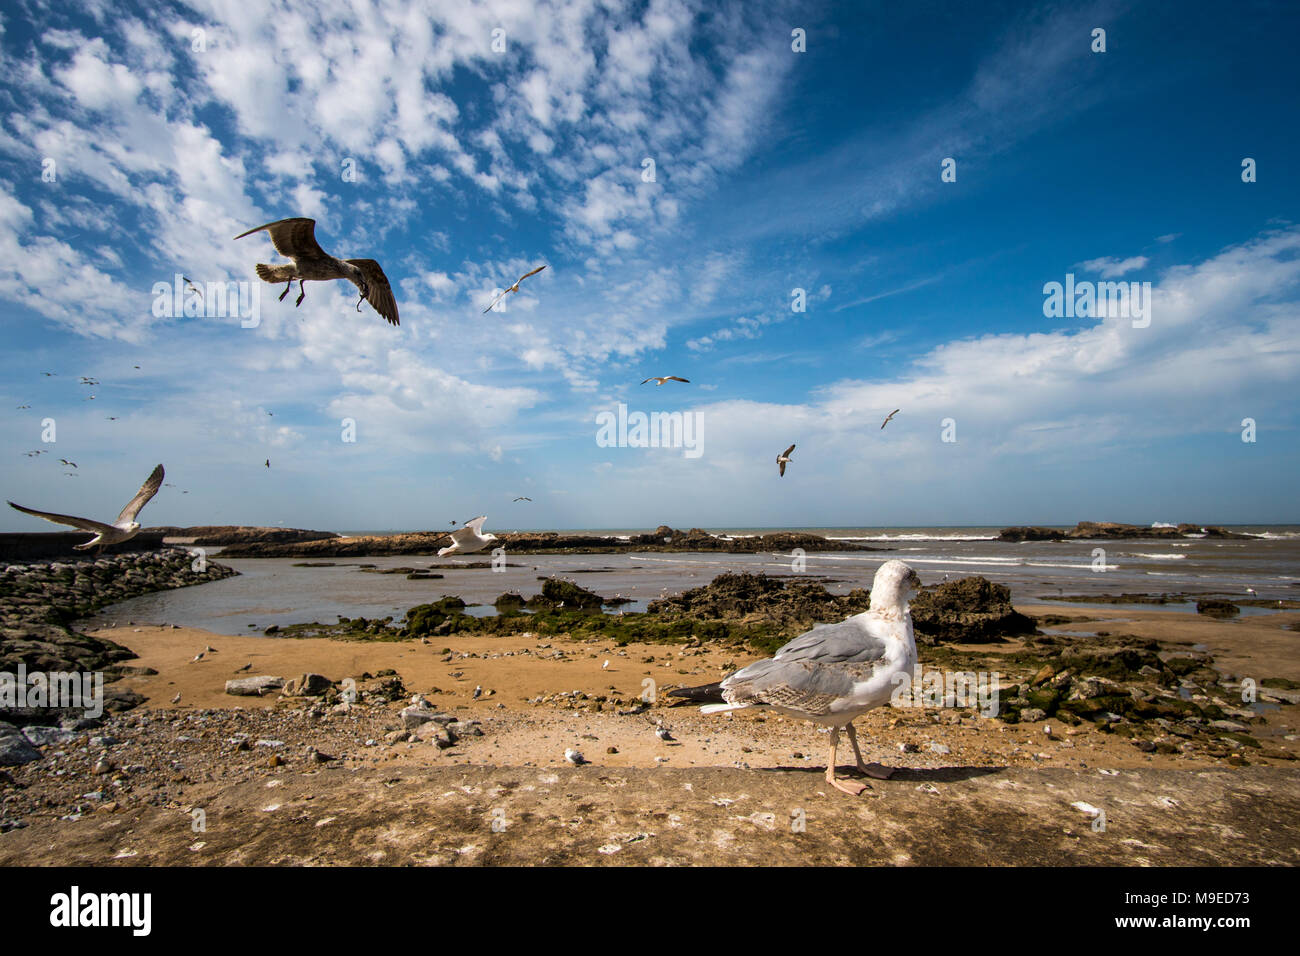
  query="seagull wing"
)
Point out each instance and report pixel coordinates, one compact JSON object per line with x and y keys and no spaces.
{"x":379,"y":293}
{"x":495,"y":301}
{"x":650,"y":379}
{"x":801,"y":685}
{"x":860,"y":639}
{"x":85,"y":524}
{"x":674,"y":378}
{"x":786,"y":453}
{"x":147,"y":491}
{"x":527,"y":274}
{"x":291,"y":237}
{"x":780,"y":464}
{"x":475,"y":524}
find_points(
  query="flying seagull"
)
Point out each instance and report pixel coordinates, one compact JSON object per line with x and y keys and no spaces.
{"x":65,"y":461}
{"x":834,"y":673}
{"x":296,"y":239}
{"x":469,"y":538}
{"x":123,"y":529}
{"x":659,"y":380}
{"x":523,"y":498}
{"x":189,"y":284}
{"x":268,"y":463}
{"x":890,"y":418}
{"x":21,"y":407}
{"x":513,"y":288}
{"x":88,"y":381}
{"x":783,"y":458}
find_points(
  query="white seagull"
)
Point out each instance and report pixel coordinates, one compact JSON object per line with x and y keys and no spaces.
{"x":469,"y":538}
{"x":123,"y":529}
{"x":834,"y":673}
{"x":660,"y":380}
{"x":513,"y":288}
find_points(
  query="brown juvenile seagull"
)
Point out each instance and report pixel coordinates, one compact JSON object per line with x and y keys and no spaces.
{"x":890,"y":418}
{"x":296,"y":239}
{"x":123,"y":529}
{"x":513,"y":288}
{"x":783,"y":458}
{"x":667,"y":378}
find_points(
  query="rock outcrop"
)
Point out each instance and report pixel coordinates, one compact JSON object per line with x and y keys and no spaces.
{"x":1111,"y":530}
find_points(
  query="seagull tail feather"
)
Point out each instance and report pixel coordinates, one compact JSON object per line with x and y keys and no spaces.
{"x":704,"y":694}
{"x":275,"y":273}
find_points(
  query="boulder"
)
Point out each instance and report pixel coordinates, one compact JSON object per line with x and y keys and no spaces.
{"x":253,"y":686}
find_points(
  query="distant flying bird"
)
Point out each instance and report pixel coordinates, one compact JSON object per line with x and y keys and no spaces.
{"x":523,"y":498}
{"x":123,"y":529}
{"x":268,"y":463}
{"x":469,"y":538}
{"x":89,"y":398}
{"x":21,"y":407}
{"x":296,"y":239}
{"x":65,"y":461}
{"x":111,"y":418}
{"x":48,"y":374}
{"x":33,"y":454}
{"x":513,"y":288}
{"x":783,"y":458}
{"x":189,"y":284}
{"x":890,"y":418}
{"x":88,"y":381}
{"x":659,"y":380}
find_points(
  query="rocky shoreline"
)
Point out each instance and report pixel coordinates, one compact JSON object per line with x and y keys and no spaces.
{"x":40,"y":601}
{"x":1110,"y":530}
{"x":662,"y":538}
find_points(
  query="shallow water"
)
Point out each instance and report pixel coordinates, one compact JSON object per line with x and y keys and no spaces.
{"x":273,"y":591}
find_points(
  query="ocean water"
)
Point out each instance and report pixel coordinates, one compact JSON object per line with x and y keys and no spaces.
{"x":273,"y":591}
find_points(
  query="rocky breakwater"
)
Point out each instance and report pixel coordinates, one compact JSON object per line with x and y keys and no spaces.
{"x":38,"y":604}
{"x":227,"y":535}
{"x":1110,"y":530}
{"x":663,"y":538}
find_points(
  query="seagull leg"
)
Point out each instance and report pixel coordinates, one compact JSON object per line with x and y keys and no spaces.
{"x":287,"y":286}
{"x":847,"y":786}
{"x":874,"y":770}
{"x":302,"y":293}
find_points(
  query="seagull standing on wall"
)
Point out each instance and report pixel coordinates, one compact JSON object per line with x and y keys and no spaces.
{"x":296,"y":239}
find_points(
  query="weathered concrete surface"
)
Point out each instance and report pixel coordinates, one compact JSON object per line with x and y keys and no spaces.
{"x":719,"y":816}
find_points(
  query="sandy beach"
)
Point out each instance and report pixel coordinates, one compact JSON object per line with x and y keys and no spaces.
{"x":541,"y":696}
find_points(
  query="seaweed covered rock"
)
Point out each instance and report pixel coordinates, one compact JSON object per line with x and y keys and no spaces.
{"x":1215,"y":608}
{"x":744,"y":596}
{"x":558,"y":593}
{"x":973,"y":610}
{"x":444,"y":616}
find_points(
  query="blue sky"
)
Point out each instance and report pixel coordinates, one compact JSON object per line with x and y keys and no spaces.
{"x":774,"y":170}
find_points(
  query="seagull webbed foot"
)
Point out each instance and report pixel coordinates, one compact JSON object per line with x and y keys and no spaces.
{"x":302,"y":294}
{"x":876,"y":771}
{"x":851,"y":787}
{"x":287,"y":286}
